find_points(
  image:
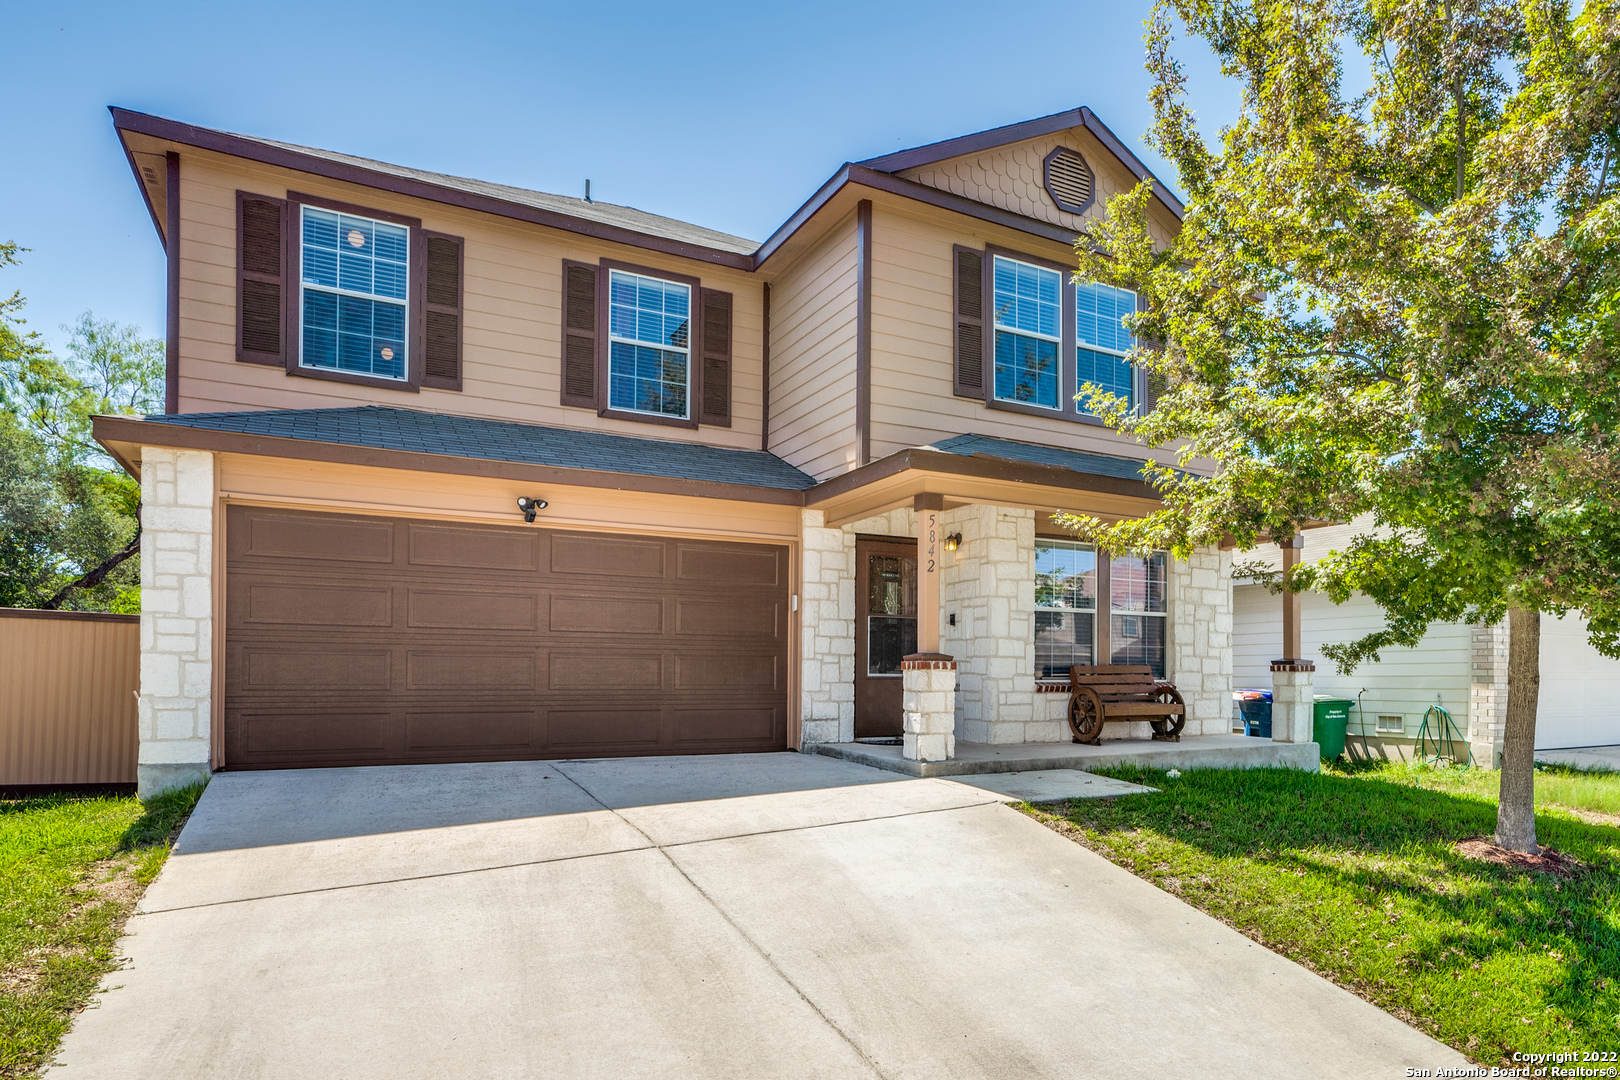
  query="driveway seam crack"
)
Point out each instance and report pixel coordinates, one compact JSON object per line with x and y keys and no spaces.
{"x":860,"y":1051}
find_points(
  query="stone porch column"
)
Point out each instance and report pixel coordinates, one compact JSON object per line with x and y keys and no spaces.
{"x":177,"y":618}
{"x":1487,"y":693}
{"x":929,"y":708}
{"x":1293,"y":699}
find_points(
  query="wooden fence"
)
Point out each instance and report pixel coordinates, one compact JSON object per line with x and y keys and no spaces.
{"x":67,"y":697}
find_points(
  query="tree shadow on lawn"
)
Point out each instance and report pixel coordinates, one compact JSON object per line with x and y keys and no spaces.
{"x":1360,"y":878}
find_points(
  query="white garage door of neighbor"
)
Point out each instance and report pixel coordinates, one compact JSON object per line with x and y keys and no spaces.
{"x":1580,"y":688}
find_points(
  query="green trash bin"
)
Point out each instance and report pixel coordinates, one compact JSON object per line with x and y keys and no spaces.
{"x":1330,"y":719}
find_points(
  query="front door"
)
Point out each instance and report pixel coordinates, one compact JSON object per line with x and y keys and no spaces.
{"x":885,"y":631}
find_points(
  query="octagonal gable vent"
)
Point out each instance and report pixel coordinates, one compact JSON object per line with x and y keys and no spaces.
{"x":1069,"y":180}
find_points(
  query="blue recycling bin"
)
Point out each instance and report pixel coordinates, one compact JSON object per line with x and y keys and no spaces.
{"x":1255,"y":708}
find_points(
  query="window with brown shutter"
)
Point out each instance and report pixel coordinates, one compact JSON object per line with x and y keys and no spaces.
{"x":579,"y":359}
{"x":968,"y":380}
{"x":441,"y":347}
{"x":716,"y":343}
{"x":261,"y":279}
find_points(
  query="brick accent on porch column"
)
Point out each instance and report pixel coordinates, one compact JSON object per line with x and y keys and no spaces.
{"x":177,"y":618}
{"x":826,"y":632}
{"x":929,"y":708}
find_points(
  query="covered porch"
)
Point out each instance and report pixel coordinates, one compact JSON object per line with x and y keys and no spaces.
{"x":984,"y":688}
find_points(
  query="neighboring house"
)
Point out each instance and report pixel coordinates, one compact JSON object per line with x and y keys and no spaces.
{"x":730,"y":445}
{"x":1458,"y":666}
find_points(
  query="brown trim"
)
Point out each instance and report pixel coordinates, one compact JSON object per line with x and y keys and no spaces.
{"x":146,"y":192}
{"x":765,"y":370}
{"x":340,"y":207}
{"x":694,"y":343}
{"x":142,"y":432}
{"x":928,"y":500}
{"x":285,"y":157}
{"x":292,"y":246}
{"x":908,"y":189}
{"x":979,"y":465}
{"x":979,"y":141}
{"x":71,"y":616}
{"x":863,"y":329}
{"x":171,"y":249}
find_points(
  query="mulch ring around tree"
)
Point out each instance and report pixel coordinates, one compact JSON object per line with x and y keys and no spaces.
{"x":1548,"y":861}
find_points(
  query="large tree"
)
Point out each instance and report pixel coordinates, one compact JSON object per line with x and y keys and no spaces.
{"x":69,"y":520}
{"x":1402,"y":303}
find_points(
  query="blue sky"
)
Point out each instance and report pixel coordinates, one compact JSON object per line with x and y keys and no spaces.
{"x":725,"y":114}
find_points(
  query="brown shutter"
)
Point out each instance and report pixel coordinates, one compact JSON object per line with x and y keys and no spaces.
{"x":969,"y":350}
{"x":261,"y":280}
{"x":579,"y":335}
{"x":441,"y":348}
{"x":1154,"y":386}
{"x":716,"y":345}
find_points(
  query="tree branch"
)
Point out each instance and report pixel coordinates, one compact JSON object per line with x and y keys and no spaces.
{"x":99,"y":574}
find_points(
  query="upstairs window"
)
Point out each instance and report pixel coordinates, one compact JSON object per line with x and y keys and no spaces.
{"x":354,"y":294}
{"x":649,"y":345}
{"x":1028,"y":333}
{"x":1101,"y":340}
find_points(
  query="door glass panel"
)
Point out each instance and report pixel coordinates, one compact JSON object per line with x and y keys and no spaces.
{"x":891,"y":606}
{"x":889,"y":638}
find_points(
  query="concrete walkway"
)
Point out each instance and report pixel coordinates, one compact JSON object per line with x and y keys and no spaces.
{"x":749,"y":917}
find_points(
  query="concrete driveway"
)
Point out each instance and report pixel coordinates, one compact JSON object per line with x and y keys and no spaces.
{"x":749,"y":917}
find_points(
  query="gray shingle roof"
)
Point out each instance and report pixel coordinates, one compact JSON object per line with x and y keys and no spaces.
{"x":1079,"y":461}
{"x":386,"y":428}
{"x":625,"y":217}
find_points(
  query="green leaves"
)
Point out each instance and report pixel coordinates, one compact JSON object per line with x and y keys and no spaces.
{"x":64,"y":510}
{"x":1401,"y":307}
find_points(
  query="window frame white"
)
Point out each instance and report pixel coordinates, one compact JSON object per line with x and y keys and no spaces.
{"x":404,"y":377}
{"x":1137,"y":386}
{"x":612,"y":339}
{"x":1064,"y":301}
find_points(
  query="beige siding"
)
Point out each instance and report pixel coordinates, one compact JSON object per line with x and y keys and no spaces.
{"x":67,"y":697}
{"x":813,"y":357}
{"x":1012,"y":177}
{"x":512,"y":296}
{"x":912,"y":400}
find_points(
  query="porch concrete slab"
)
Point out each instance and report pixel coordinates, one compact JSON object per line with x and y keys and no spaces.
{"x":259,"y":834}
{"x":691,"y":799}
{"x":1052,"y":785}
{"x":1601,"y":758}
{"x":1192,"y":752}
{"x":978,"y":943}
{"x":605,"y":967}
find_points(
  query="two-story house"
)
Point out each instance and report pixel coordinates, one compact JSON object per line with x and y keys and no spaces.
{"x":454,"y":471}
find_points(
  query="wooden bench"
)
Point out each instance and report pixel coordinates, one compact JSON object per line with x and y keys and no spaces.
{"x":1122,"y":692}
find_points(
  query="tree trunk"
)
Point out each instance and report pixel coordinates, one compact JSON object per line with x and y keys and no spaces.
{"x":1516,"y":806}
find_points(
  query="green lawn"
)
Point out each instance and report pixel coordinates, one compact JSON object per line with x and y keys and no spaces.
{"x":71,"y":870}
{"x":1355,"y":875}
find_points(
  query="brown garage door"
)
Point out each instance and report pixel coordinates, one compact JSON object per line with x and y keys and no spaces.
{"x":356,"y":640}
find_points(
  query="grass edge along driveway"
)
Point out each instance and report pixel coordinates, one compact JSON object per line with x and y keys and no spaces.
{"x":71,"y":871}
{"x":1356,"y":876}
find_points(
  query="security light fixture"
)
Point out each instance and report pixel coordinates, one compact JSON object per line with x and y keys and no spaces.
{"x":530,"y":506}
{"x":953,"y":541}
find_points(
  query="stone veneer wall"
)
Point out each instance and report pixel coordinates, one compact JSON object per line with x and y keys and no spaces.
{"x":1199,"y":657}
{"x":827,"y":621}
{"x":177,"y":618}
{"x":827,"y":632}
{"x":1488,"y":691}
{"x":989,"y":585}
